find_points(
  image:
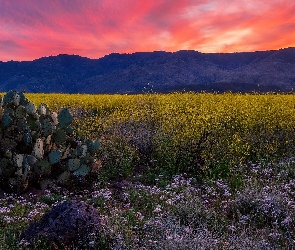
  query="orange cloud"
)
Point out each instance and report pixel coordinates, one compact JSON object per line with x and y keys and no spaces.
{"x":31,"y":29}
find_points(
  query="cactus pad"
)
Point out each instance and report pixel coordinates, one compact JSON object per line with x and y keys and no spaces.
{"x":73,"y":164}
{"x":22,"y":99}
{"x":69,"y":130}
{"x":43,"y":109}
{"x":8,"y":98}
{"x":87,"y":160}
{"x":20,"y":112}
{"x":27,"y":138}
{"x":7,"y":120}
{"x":54,"y":156}
{"x":30,"y":108}
{"x":54,"y":118}
{"x":94,"y":147}
{"x":31,"y":160}
{"x":47,"y":127}
{"x":82,"y":171}
{"x":16,"y":99}
{"x":18,"y":159}
{"x":22,"y":125}
{"x":59,"y":136}
{"x":26,"y":169}
{"x":38,"y":126}
{"x":45,"y":166}
{"x":38,"y":149}
{"x":84,"y":150}
{"x":65,"y":118}
{"x":64,"y":176}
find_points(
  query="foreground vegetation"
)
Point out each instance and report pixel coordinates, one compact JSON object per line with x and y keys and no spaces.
{"x":178,"y":171}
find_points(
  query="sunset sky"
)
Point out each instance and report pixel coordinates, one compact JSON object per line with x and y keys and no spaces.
{"x":31,"y":29}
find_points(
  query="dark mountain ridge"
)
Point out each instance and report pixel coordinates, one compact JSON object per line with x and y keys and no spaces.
{"x":165,"y":71}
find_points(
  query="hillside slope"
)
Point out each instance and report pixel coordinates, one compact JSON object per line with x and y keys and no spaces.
{"x":161,"y":71}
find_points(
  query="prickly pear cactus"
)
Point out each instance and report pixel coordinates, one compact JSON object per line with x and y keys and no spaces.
{"x":37,"y":146}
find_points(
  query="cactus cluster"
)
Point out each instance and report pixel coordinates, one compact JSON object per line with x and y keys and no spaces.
{"x":37,"y":146}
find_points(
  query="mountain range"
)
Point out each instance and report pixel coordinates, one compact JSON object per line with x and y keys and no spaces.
{"x":158,"y":71}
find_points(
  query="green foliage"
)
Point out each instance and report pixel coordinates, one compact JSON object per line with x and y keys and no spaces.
{"x":117,"y":158}
{"x":37,"y":146}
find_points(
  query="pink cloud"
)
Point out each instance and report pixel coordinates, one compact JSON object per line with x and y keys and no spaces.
{"x":31,"y":29}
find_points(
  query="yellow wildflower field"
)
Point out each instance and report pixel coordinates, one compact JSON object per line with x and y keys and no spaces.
{"x":184,"y":131}
{"x":190,"y":111}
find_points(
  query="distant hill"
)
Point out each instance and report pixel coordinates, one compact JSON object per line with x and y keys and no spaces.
{"x":160,"y":71}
